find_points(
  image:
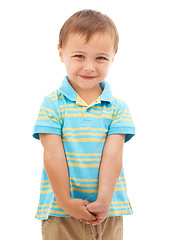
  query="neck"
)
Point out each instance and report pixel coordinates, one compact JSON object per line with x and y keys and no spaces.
{"x":88,"y":95}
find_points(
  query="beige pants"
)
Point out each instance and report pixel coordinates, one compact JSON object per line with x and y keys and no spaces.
{"x":69,"y":228}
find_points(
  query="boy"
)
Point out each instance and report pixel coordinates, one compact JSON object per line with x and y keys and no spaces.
{"x":82,"y":129}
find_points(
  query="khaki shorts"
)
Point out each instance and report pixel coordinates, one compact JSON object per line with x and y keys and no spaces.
{"x":69,"y":228}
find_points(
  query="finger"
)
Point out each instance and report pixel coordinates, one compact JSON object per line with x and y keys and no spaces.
{"x":97,"y":221}
{"x":87,"y":222}
{"x":89,"y":216}
{"x":93,"y":213}
{"x":91,"y":207}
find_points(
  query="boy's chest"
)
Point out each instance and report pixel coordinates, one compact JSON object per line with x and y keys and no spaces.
{"x":78,"y":121}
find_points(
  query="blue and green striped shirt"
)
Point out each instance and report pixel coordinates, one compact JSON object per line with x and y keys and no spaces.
{"x":84,"y":129}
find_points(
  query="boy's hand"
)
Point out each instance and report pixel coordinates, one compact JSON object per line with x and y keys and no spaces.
{"x":77,"y":209}
{"x":99,"y":209}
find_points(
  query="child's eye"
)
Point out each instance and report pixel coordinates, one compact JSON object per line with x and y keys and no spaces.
{"x":79,"y":56}
{"x":101,"y":58}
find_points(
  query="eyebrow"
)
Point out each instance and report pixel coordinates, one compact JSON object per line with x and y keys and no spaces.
{"x":104,"y":54}
{"x":81,"y":52}
{"x":78,"y":52}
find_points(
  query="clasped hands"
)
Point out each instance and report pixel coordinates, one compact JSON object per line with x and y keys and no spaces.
{"x":83,"y":210}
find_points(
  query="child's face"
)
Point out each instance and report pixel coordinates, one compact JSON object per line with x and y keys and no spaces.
{"x":87,"y":64}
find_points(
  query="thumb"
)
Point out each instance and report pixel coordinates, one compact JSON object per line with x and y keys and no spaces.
{"x":90,"y":207}
{"x":88,"y":215}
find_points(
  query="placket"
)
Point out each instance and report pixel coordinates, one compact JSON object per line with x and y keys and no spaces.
{"x":83,"y":112}
{"x":85,"y":106}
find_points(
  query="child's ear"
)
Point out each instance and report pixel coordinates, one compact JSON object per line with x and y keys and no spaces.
{"x":60,"y":53}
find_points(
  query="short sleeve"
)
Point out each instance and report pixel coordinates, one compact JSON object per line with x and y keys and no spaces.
{"x":49,"y":119}
{"x":122,"y":122}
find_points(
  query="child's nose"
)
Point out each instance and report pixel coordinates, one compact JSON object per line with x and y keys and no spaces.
{"x":89,"y":66}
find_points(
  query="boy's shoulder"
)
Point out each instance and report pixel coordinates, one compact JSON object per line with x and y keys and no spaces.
{"x":51,"y":100}
{"x":54,"y":95}
{"x":117,"y":102}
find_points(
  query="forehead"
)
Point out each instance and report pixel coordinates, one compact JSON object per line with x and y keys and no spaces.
{"x":97,"y":42}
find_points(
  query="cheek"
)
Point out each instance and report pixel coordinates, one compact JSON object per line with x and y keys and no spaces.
{"x":74,"y":65}
{"x":71,"y":66}
{"x":104,"y":68}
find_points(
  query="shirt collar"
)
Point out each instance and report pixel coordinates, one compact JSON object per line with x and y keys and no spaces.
{"x":107,"y":93}
{"x":67,"y":90}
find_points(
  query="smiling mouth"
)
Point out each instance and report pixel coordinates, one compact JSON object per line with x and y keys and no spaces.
{"x":87,"y":77}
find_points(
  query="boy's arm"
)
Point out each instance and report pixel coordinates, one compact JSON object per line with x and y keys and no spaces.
{"x":111,"y":166}
{"x":110,"y":169}
{"x":57,"y":172}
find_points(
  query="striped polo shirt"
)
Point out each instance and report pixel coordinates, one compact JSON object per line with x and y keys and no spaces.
{"x":83,"y":129}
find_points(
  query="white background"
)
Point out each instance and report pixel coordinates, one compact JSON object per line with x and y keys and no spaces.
{"x":141,"y":75}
